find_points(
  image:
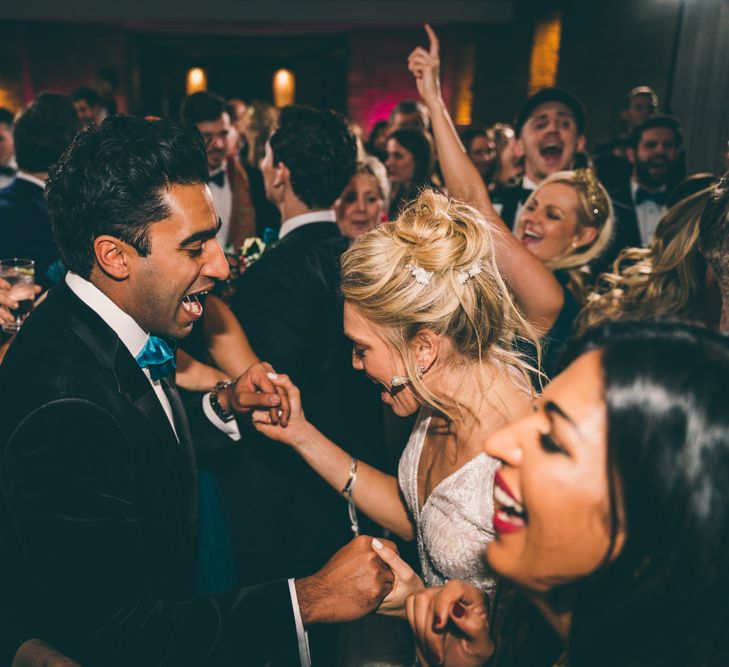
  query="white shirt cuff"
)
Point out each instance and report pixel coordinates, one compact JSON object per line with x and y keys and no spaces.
{"x":301,"y":634}
{"x":229,"y":428}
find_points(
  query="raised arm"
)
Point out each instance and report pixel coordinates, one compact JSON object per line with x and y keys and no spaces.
{"x":374,"y":492}
{"x":537,"y":290}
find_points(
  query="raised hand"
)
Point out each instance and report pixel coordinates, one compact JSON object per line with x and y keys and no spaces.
{"x":407,"y":581}
{"x":296,"y":430}
{"x":7,"y":303}
{"x":425,"y":67}
{"x":255,"y":389}
{"x":450,"y":625}
{"x":36,"y":653}
{"x":351,"y":585}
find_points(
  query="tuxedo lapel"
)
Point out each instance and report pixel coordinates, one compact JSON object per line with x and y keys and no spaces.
{"x":111,"y":353}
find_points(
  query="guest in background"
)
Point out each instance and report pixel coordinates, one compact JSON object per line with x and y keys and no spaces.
{"x":255,"y":126}
{"x":714,"y":242}
{"x":376,"y":144}
{"x":509,"y":166}
{"x":228,"y":181}
{"x":638,"y":103}
{"x":669,"y":279}
{"x":409,"y":167}
{"x":289,"y":307}
{"x":8,"y":165}
{"x":363,"y":203}
{"x":43,"y":130}
{"x":410,"y":114}
{"x":89,"y":106}
{"x":481,"y":149}
{"x":550,"y":132}
{"x":640,"y":201}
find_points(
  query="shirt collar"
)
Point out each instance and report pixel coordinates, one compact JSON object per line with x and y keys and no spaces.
{"x":305,"y":219}
{"x":634,"y":185}
{"x":23,"y":176}
{"x":528,"y":184}
{"x":123,"y":324}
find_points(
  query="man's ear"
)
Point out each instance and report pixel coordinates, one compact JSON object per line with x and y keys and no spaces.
{"x":426,"y":346}
{"x":581,"y":143}
{"x":283,"y":176}
{"x":630,"y":154}
{"x":112,"y":256}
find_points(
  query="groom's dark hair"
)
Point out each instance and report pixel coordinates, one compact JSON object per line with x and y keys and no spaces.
{"x":113,"y":180}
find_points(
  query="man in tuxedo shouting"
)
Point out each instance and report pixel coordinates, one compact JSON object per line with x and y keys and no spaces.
{"x":98,"y":478}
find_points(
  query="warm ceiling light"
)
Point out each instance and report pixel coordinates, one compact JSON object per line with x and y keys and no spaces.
{"x":284,"y":88}
{"x":197,"y":80}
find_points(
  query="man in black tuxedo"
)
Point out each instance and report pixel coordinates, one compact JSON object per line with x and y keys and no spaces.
{"x":639,"y":201}
{"x":550,"y":131}
{"x":98,"y":476}
{"x":41,"y":133}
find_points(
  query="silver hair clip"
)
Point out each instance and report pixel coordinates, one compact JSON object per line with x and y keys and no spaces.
{"x":420,"y":274}
{"x":463,"y":276}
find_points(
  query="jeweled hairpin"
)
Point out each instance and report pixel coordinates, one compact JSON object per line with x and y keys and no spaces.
{"x":463,"y":276}
{"x":420,"y":274}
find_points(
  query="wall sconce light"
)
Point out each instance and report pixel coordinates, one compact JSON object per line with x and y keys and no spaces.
{"x":284,"y":88}
{"x":197,"y":80}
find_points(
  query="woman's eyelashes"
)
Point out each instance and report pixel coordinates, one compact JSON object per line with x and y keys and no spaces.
{"x":549,"y":444}
{"x":358,"y":352}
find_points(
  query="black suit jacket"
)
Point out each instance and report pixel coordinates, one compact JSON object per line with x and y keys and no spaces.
{"x":290,"y":308}
{"x":97,"y":509}
{"x":509,"y":197}
{"x":626,"y":233}
{"x":25,"y":227}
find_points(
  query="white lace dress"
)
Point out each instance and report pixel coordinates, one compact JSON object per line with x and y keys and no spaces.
{"x":455,"y":523}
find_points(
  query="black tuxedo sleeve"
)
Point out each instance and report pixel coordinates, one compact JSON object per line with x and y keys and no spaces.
{"x":74,"y":514}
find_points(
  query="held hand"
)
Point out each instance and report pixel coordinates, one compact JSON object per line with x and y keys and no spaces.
{"x":425,"y":67}
{"x":450,"y":625}
{"x":255,"y":389}
{"x":351,"y":585}
{"x":407,"y":581}
{"x":295,"y":431}
{"x":36,"y":653}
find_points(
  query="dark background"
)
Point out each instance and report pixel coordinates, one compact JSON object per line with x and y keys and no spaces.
{"x":351,"y":56}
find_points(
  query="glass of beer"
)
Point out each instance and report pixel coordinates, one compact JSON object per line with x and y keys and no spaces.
{"x":20,"y":274}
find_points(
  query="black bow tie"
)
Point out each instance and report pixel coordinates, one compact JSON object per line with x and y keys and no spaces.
{"x":219,"y":178}
{"x":524,"y":194}
{"x":643,"y":195}
{"x":6,"y":171}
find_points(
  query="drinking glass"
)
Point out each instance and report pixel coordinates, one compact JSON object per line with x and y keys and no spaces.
{"x":20,"y":273}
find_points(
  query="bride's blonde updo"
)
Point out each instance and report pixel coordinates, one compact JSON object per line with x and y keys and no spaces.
{"x":434,"y":268}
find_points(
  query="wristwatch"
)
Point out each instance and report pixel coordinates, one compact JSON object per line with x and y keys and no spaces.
{"x":219,"y":410}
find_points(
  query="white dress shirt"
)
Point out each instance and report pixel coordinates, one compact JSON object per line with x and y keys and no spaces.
{"x":223,"y":198}
{"x":134,"y":339}
{"x":23,"y":176}
{"x":648,"y":214}
{"x":7,"y":180}
{"x":288,"y":226}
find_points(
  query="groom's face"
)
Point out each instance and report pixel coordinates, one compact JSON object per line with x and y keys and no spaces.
{"x":184,"y":261}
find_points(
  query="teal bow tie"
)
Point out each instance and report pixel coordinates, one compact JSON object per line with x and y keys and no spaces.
{"x":158,"y":357}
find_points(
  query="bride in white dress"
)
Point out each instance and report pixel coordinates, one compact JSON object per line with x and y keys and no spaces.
{"x":433,"y":324}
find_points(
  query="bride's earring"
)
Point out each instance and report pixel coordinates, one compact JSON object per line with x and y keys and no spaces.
{"x":399,"y":380}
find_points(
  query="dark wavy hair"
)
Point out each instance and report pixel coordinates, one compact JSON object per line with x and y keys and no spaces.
{"x":43,"y":130}
{"x":664,"y":600}
{"x":113,"y":180}
{"x":421,"y":146}
{"x":318,"y":150}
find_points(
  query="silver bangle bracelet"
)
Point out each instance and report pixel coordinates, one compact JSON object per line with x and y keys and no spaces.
{"x":348,"y":490}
